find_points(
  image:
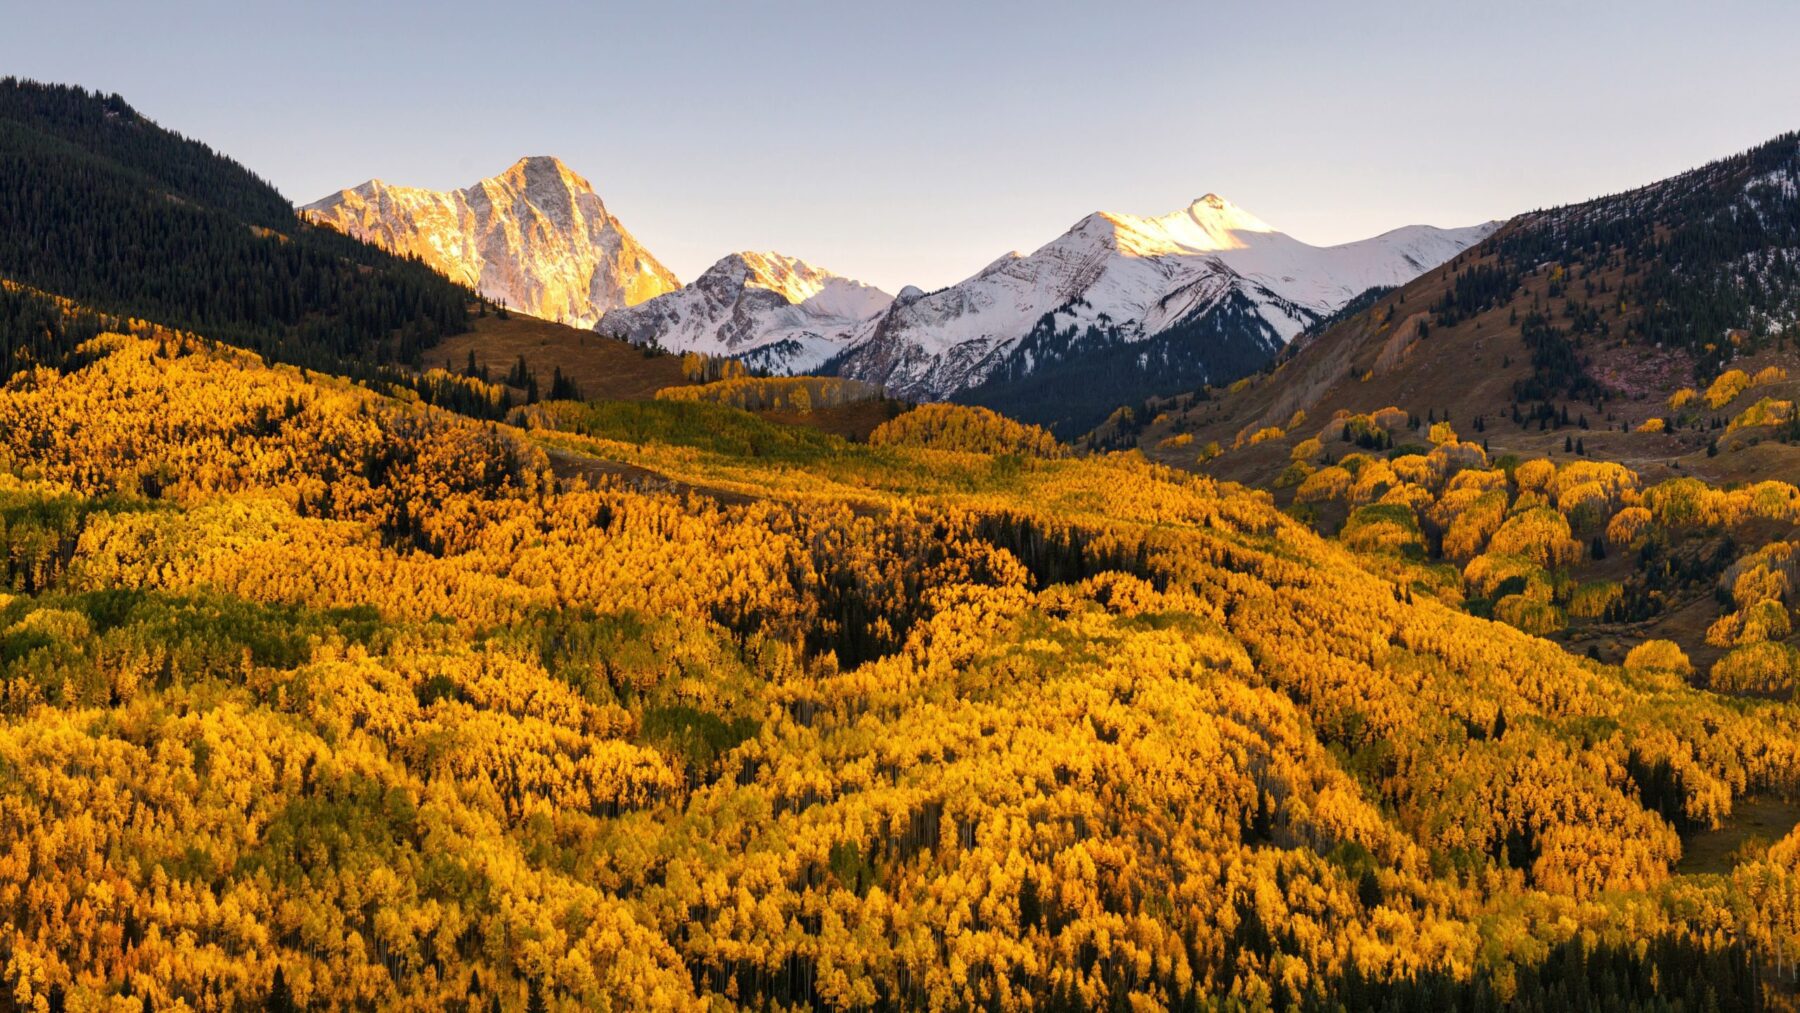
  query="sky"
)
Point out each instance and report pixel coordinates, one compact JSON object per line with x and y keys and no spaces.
{"x":914,"y":143}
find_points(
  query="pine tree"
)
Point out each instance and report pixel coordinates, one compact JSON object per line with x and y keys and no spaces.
{"x":281,"y":998}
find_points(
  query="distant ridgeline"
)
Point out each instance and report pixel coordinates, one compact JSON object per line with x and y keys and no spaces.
{"x":1706,"y":254}
{"x":104,"y":207}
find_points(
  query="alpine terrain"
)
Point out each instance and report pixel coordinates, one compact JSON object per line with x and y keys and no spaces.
{"x":1120,"y":307}
{"x":772,"y":311}
{"x":1606,"y":309}
{"x":363,"y":647}
{"x":535,"y":238}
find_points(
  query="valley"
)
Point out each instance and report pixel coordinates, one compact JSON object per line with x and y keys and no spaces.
{"x":1400,"y":624}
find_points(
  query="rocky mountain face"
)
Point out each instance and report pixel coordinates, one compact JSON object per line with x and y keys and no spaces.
{"x":772,"y":311}
{"x":536,"y":238}
{"x":1117,"y":309}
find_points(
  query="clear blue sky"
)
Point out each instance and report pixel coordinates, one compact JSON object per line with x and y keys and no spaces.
{"x":914,"y":142}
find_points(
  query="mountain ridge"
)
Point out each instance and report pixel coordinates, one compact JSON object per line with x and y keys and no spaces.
{"x":105,"y":207}
{"x":769,"y":309}
{"x":1601,"y":309}
{"x":535,"y":237}
{"x":1115,"y":281}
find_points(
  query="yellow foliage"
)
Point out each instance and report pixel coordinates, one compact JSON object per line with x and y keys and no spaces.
{"x":1726,"y":388}
{"x":776,"y":393}
{"x":1326,"y":484}
{"x":1535,"y":475}
{"x":1485,"y":573}
{"x":1541,"y":535}
{"x":1767,"y":619}
{"x":1765,"y":412}
{"x":1762,"y":668}
{"x":967,"y":429}
{"x":1590,"y":601}
{"x":296,"y":676}
{"x":1659,"y":656}
{"x":1529,"y":613}
{"x":1627,"y":528}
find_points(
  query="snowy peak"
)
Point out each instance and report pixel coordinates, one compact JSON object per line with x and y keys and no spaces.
{"x":535,"y":237}
{"x":1123,"y":279}
{"x":1210,"y":224}
{"x":796,"y":282}
{"x":773,"y":310}
{"x":792,"y":278}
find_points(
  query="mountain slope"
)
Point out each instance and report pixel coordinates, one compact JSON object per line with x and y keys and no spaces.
{"x":536,"y":238}
{"x":1117,"y":280}
{"x":376,"y":706}
{"x":103,"y":206}
{"x":772,"y":311}
{"x":1599,"y":310}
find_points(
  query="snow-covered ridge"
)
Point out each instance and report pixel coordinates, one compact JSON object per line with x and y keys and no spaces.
{"x":1135,"y":277}
{"x":775,"y":311}
{"x":536,"y":237}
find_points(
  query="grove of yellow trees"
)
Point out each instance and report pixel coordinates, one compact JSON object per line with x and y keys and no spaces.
{"x":310,"y":695}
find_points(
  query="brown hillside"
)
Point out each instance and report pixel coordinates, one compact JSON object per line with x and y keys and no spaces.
{"x":607,"y":369}
{"x":604,"y":368}
{"x":1378,"y":358}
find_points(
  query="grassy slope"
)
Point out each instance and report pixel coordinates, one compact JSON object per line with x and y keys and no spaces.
{"x":607,"y":369}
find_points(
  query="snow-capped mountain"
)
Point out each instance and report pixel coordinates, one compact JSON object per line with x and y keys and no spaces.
{"x":536,"y":237}
{"x":772,"y":311}
{"x":1117,"y":280}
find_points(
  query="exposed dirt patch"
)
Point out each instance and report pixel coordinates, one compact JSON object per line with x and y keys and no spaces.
{"x":1753,"y":821}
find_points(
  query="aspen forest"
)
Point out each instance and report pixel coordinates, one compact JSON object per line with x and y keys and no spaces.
{"x":368,"y":642}
{"x":316,"y":696}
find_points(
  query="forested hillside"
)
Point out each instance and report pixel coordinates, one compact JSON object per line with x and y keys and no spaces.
{"x":316,"y":697}
{"x":346,"y":666}
{"x":100,"y":205}
{"x":1588,"y":316}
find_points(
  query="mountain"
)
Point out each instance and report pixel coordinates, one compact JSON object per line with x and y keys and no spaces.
{"x":612,"y":711}
{"x":100,"y":205}
{"x":1594,"y":312}
{"x":1224,"y":289}
{"x":772,"y":311}
{"x":315,"y":696}
{"x":536,"y":238}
